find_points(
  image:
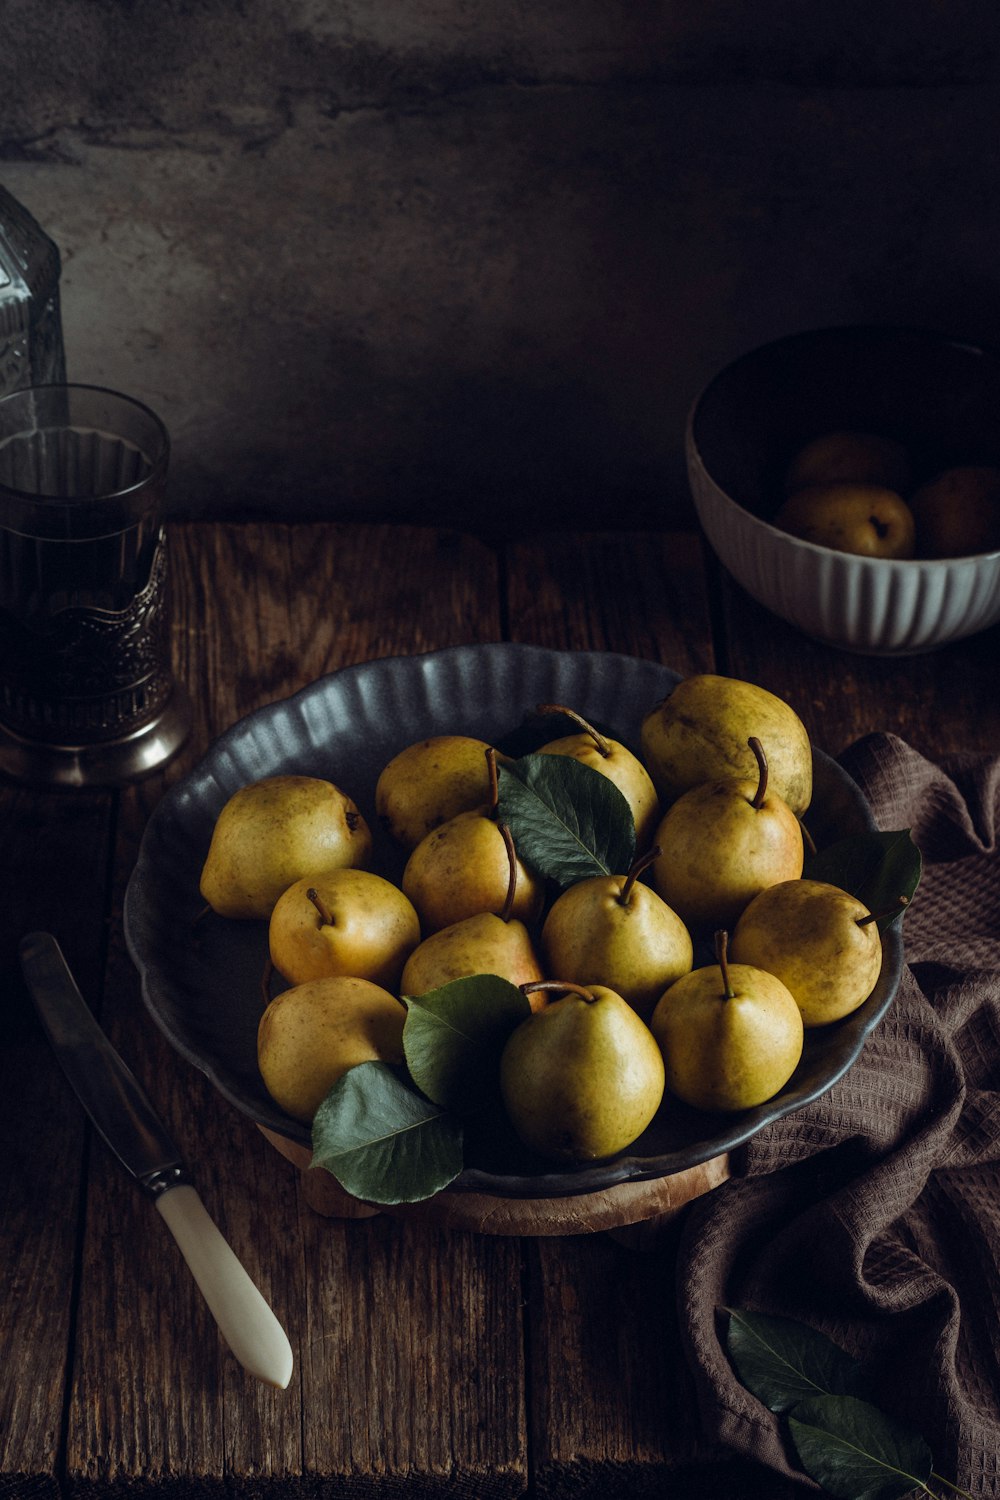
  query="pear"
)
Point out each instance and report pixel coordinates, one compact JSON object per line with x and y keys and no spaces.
{"x":481,"y":944}
{"x":614,"y":928}
{"x":583,"y":1077}
{"x":614,"y":761}
{"x":272,"y":832}
{"x":731,"y":1035}
{"x":723,"y":842}
{"x":345,"y":922}
{"x":484,"y":943}
{"x":463,"y":868}
{"x":701,"y":732}
{"x":309,"y":1036}
{"x":430,"y":782}
{"x":957,"y":513}
{"x":850,"y":458}
{"x":821,"y":942}
{"x":865,"y":519}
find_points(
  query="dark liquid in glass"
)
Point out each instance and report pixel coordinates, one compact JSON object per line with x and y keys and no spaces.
{"x":83,"y":646}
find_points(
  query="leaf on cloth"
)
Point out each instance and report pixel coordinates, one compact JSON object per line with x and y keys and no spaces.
{"x":855,"y":1451}
{"x":782,"y":1362}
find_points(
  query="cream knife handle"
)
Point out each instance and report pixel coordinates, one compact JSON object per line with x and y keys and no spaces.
{"x":245,"y":1321}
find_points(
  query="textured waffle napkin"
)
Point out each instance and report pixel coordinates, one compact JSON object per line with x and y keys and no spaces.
{"x":874,"y":1214}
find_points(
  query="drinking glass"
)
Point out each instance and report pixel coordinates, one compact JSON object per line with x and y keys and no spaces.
{"x":87,"y":695}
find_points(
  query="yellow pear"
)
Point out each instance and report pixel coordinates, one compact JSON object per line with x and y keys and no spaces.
{"x":461,"y":868}
{"x":957,"y":513}
{"x":850,"y":458}
{"x":345,"y":922}
{"x":614,"y":929}
{"x":480,"y":944}
{"x":583,"y":1077}
{"x":430,"y":782}
{"x":309,"y":1036}
{"x":821,"y":942}
{"x":721,"y":843}
{"x":616,"y":762}
{"x":469,"y":865}
{"x":731,"y":1035}
{"x":701,"y":732}
{"x":865,"y":519}
{"x":272,"y":832}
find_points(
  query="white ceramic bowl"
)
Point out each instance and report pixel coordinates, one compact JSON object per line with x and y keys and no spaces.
{"x":936,"y":395}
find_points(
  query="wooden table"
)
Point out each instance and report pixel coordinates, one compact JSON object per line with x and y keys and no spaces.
{"x":428,"y":1362}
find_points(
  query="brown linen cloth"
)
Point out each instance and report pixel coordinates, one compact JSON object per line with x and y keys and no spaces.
{"x":874,"y":1214}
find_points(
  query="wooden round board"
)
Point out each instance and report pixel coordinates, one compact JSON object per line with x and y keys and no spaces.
{"x":627,"y":1203}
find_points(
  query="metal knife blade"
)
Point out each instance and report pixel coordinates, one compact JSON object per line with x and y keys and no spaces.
{"x":106,"y":1087}
{"x":124,"y":1117}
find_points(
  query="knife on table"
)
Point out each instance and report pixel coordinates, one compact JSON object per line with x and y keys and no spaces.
{"x":123,"y":1115}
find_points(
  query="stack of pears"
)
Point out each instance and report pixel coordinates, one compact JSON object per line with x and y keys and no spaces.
{"x":620,"y":1018}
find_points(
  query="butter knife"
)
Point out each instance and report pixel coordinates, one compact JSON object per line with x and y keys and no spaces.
{"x":123,"y":1115}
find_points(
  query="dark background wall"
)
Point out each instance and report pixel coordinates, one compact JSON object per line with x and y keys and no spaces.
{"x":450,"y":259}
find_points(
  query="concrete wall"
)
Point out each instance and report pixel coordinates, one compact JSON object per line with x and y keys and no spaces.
{"x":445,"y":259}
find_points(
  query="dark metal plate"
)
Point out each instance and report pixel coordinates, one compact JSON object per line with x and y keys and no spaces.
{"x":201,"y":979}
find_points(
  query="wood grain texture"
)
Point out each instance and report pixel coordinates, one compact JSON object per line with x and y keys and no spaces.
{"x":313,"y":598}
{"x":611,"y":1413}
{"x":431,"y":1361}
{"x":55,"y":861}
{"x":607,"y":1415}
{"x":409,"y":1363}
{"x":641,"y":594}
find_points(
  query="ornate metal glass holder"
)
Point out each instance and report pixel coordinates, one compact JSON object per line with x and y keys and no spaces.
{"x":87,"y":695}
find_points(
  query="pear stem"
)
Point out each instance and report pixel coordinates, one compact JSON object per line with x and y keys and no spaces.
{"x":807,"y":838}
{"x":508,"y":904}
{"x":558,"y":984}
{"x":761,"y":759}
{"x":875,"y":916}
{"x":494,"y":775}
{"x":558,"y":708}
{"x":325,"y":914}
{"x":265,"y":982}
{"x":642,"y":863}
{"x":721,"y":942}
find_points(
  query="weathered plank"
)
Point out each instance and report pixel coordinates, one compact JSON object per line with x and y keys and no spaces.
{"x":55,"y":861}
{"x":611,"y":1410}
{"x":409,"y":1365}
{"x":641,"y":594}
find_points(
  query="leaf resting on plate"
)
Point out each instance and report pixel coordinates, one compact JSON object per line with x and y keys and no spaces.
{"x":878,"y":868}
{"x":382,"y":1141}
{"x":568,"y":821}
{"x":453,"y":1037}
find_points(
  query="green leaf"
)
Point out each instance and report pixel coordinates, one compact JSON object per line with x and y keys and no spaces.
{"x":383,"y":1142}
{"x":453,"y":1037}
{"x":855,"y":1451}
{"x":878,"y":868}
{"x":783,"y":1362}
{"x":568,"y":821}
